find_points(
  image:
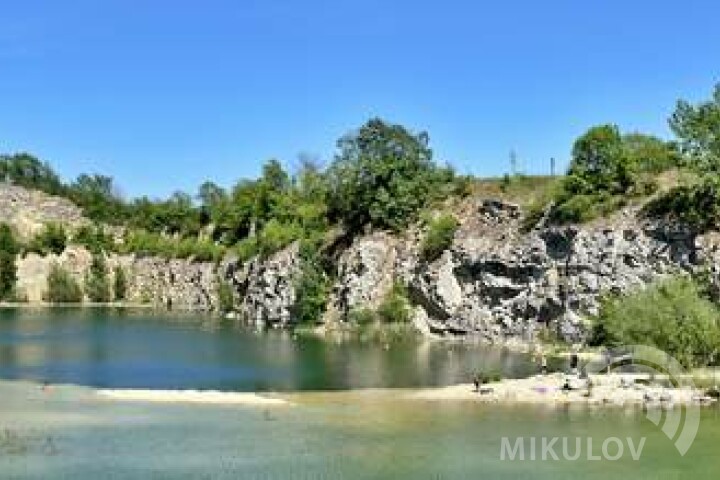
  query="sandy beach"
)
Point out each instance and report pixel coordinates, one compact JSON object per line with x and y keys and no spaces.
{"x":613,"y":389}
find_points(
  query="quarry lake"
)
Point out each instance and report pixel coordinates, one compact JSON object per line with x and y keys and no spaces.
{"x":347,"y":412}
{"x":139,"y":349}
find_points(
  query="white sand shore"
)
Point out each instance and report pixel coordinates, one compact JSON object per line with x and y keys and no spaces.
{"x":614,"y":389}
{"x":192,"y":396}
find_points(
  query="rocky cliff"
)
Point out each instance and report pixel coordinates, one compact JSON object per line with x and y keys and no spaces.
{"x":496,"y":281}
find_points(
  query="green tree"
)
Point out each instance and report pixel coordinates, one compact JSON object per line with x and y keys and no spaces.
{"x":119,"y":283}
{"x":8,"y":268}
{"x":97,"y":284}
{"x":62,"y":287}
{"x":382,"y":175}
{"x":698,"y":129}
{"x":599,"y":163}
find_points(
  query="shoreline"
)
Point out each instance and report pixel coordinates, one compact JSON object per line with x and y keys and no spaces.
{"x":614,"y":390}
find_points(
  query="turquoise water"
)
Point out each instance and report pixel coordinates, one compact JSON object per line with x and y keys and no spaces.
{"x":70,"y":432}
{"x":117,"y":348}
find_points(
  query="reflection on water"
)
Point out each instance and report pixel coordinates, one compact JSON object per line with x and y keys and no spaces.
{"x":116,"y":348}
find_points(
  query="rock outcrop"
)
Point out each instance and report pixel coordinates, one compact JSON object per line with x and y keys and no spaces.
{"x":28,"y":210}
{"x":496,"y":281}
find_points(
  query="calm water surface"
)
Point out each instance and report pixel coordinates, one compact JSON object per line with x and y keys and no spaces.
{"x":69,"y":432}
{"x":114,"y":348}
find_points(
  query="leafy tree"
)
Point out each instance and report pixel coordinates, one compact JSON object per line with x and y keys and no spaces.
{"x":97,"y":284}
{"x":698,"y":128}
{"x":25,"y":170}
{"x":119,"y":283}
{"x":382,"y":175}
{"x":210,"y":194}
{"x":8,"y":268}
{"x":649,"y":153}
{"x":98,"y":197}
{"x":62,"y":287}
{"x":599,"y":163}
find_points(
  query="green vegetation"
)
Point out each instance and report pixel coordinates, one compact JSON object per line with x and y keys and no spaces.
{"x":607,"y":171}
{"x":383,"y":175}
{"x":94,"y":239}
{"x":697,"y":127}
{"x":8,"y":269}
{"x":119,"y":284}
{"x":62,"y":287}
{"x":675,"y":316}
{"x":312,"y":288}
{"x":226,"y":298}
{"x":438,"y":237}
{"x":97,"y":283}
{"x":51,"y":239}
{"x":395,"y":307}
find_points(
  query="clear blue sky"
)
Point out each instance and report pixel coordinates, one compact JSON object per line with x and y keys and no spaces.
{"x":165,"y":94}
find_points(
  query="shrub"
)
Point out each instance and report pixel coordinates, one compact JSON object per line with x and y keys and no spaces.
{"x":276,"y":235}
{"x":671,"y":315}
{"x":312,"y":287}
{"x":62,"y":287}
{"x":361,"y":316}
{"x":97,"y":284}
{"x":226,"y":299}
{"x":120,"y":284}
{"x":439,"y":237}
{"x":8,"y":268}
{"x":395,"y":307}
{"x":94,"y":239}
{"x":51,"y":239}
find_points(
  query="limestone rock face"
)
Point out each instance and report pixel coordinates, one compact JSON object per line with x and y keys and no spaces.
{"x":28,"y":210}
{"x":366,"y":272}
{"x":501,"y":283}
{"x":266,"y":287}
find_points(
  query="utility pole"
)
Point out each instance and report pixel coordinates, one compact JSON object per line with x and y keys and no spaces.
{"x":513,"y":163}
{"x":552,"y":166}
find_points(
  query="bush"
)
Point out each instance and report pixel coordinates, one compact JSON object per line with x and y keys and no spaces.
{"x":439,"y":237}
{"x":361,"y":316}
{"x":226,"y":299}
{"x":51,"y":239}
{"x":119,"y":284}
{"x":94,"y":239}
{"x":62,"y":287}
{"x":8,"y":268}
{"x":697,"y":206}
{"x":671,"y":315}
{"x":395,"y":308}
{"x":312,"y":287}
{"x":97,"y":284}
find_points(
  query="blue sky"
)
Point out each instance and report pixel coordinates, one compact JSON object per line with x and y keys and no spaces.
{"x":165,"y":94}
